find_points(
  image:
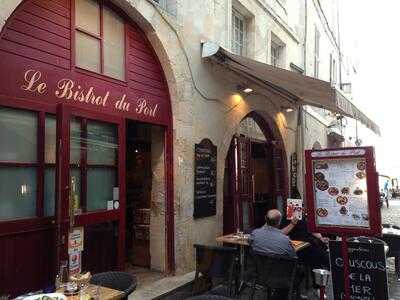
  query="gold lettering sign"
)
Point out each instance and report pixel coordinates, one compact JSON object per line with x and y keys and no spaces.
{"x":68,"y":89}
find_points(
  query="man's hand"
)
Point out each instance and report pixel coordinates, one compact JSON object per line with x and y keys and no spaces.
{"x":324,"y":239}
{"x":294,"y":221}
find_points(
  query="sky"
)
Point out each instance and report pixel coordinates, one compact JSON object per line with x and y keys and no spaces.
{"x":370,"y":29}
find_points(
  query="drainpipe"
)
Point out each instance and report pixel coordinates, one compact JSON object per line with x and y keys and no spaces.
{"x":300,"y":116}
{"x":340,"y":52}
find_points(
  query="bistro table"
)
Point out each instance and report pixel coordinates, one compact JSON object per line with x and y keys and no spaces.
{"x":105,"y":293}
{"x":243,"y":241}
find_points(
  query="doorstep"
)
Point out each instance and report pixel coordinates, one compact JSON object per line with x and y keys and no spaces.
{"x":162,"y":287}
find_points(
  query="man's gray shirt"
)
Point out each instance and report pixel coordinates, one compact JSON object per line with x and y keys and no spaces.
{"x":271,"y":240}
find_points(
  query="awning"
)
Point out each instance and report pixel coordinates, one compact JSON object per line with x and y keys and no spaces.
{"x":303,"y":89}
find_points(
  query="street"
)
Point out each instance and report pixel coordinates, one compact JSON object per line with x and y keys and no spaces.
{"x":391,"y":216}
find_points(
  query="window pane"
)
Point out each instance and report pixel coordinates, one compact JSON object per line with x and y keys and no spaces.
{"x":17,"y":193}
{"x":75,"y":141}
{"x":100,"y":184}
{"x":102,"y":143}
{"x":50,"y":140}
{"x":49,"y":191}
{"x":19,"y":129}
{"x":87,"y":14}
{"x":114,"y":49}
{"x":87,"y":52}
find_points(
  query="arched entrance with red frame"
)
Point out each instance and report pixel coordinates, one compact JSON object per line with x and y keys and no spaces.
{"x":256,"y":177}
{"x":65,"y":129}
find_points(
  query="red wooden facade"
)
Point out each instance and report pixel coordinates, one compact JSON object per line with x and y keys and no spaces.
{"x":38,"y":73}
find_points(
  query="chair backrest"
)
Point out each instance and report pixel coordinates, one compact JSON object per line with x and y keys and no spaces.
{"x":213,"y":263}
{"x":393,"y":241}
{"x":275,"y":271}
{"x":120,"y":281}
{"x":366,"y":239}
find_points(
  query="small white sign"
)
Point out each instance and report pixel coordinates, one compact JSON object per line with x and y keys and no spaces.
{"x":75,"y":263}
{"x":110,"y":205}
{"x":116,"y":193}
{"x":116,"y":204}
{"x":75,"y":240}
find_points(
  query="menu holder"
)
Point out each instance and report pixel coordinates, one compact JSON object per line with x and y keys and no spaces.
{"x":342,"y":191}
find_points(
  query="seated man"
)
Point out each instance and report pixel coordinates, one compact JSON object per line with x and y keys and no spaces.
{"x":270,"y":239}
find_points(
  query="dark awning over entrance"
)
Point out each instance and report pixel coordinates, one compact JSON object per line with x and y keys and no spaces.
{"x":306,"y":90}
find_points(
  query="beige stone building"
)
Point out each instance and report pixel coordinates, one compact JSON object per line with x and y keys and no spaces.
{"x":260,"y":79}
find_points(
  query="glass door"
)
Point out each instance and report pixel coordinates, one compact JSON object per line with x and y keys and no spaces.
{"x":92,"y":182}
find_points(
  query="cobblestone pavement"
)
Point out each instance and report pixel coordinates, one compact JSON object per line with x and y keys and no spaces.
{"x":391,"y":215}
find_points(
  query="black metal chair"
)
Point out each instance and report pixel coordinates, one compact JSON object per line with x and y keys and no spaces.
{"x":366,"y":239}
{"x":393,"y":241}
{"x":120,"y":281}
{"x":277,"y":275}
{"x":390,"y":226}
{"x":214,"y":270}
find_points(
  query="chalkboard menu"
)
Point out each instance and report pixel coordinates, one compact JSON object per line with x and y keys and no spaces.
{"x":205,"y":179}
{"x":368,"y":277}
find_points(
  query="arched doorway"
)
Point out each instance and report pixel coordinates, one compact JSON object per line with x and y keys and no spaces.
{"x":255,"y":178}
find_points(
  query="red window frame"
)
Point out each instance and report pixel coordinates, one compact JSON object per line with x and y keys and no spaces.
{"x":100,"y":38}
{"x":40,"y":164}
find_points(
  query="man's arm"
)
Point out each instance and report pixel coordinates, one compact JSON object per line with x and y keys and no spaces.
{"x":286,"y":230}
{"x":320,"y":237}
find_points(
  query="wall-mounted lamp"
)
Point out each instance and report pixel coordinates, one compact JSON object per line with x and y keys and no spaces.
{"x":244,"y":89}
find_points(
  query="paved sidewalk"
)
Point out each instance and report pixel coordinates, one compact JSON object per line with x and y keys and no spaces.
{"x":391,"y":215}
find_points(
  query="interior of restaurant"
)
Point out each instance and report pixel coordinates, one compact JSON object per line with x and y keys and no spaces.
{"x":139,"y":193}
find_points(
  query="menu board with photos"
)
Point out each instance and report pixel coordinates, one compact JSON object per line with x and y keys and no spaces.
{"x":342,"y":193}
{"x":340,"y":189}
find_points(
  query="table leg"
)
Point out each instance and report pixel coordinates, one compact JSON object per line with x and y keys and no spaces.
{"x":241,"y":262}
{"x":397,"y":265}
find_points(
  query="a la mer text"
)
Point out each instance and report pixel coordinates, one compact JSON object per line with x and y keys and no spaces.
{"x":69,"y":90}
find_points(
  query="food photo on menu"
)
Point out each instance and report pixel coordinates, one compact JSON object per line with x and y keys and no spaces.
{"x":340,"y":190}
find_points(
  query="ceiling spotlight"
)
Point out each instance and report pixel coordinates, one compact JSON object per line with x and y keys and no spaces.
{"x":247,"y":90}
{"x":287,"y":109}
